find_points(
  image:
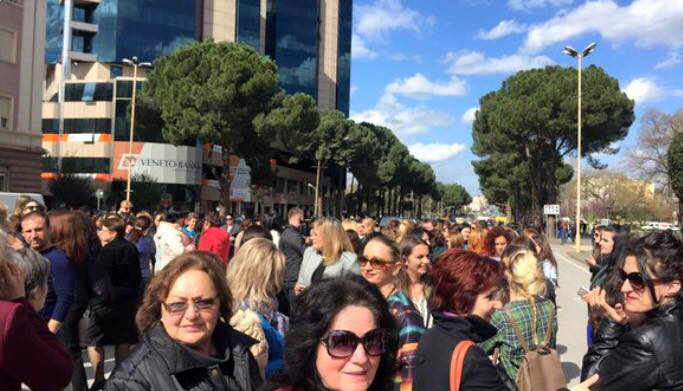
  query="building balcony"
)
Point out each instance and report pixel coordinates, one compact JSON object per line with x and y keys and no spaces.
{"x":83,"y":26}
{"x":82,"y":57}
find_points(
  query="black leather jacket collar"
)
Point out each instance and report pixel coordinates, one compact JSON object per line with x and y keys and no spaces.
{"x":473,"y":326}
{"x":180,"y":358}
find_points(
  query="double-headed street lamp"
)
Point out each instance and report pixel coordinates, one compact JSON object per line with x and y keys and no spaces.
{"x":579,"y":56}
{"x":135,"y":64}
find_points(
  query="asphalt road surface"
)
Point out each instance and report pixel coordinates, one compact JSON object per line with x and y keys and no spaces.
{"x":572,"y":315}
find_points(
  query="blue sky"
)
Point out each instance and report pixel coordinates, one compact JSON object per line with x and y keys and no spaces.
{"x":419,"y":67}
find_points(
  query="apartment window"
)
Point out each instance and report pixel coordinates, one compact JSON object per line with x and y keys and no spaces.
{"x":82,"y":165}
{"x":5,"y":112}
{"x":8,"y":45}
{"x":4,"y":179}
{"x":116,"y":71}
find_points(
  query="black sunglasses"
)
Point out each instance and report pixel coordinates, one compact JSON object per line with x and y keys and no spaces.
{"x":342,"y":343}
{"x":635,"y":279}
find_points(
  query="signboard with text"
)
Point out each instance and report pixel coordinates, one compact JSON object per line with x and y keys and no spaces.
{"x":164,"y":162}
{"x":551,"y":210}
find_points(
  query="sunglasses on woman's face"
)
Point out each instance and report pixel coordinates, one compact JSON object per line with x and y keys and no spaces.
{"x":342,"y":343}
{"x":375,"y":263}
{"x":635,"y":279}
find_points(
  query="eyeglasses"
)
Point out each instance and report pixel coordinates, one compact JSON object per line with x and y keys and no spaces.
{"x":374,"y":262}
{"x":342,"y":343}
{"x":635,"y":279}
{"x":180,"y":307}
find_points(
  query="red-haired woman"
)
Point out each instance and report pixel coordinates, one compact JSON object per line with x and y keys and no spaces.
{"x":463,"y":299}
{"x":495,"y":242}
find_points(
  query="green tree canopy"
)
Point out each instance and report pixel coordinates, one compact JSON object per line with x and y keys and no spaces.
{"x":524,"y":131}
{"x":455,"y":196}
{"x":675,"y":163}
{"x":220,"y":93}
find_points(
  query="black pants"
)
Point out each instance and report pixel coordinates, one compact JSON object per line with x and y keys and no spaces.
{"x":69,"y":336}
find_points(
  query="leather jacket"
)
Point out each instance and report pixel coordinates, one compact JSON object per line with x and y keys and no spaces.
{"x":161,"y":364}
{"x":648,"y":357}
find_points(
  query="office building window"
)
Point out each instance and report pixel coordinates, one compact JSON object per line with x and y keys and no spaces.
{"x":88,"y":92}
{"x":5,"y":112}
{"x":249,"y":22}
{"x":78,"y":125}
{"x":81,"y":165}
{"x":124,"y":88}
{"x":8,"y":45}
{"x":116,"y":71}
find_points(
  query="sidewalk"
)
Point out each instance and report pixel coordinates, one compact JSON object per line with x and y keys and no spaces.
{"x":569,"y":249}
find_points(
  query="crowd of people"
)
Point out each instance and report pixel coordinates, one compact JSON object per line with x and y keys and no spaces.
{"x":200,"y":302}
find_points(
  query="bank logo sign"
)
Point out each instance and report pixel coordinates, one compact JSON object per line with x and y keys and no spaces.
{"x":164,"y":162}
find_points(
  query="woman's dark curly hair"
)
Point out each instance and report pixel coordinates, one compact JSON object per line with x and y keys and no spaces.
{"x":490,"y":240}
{"x":314,"y":312}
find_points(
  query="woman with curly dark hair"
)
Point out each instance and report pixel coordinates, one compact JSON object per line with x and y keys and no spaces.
{"x":497,"y":238}
{"x":342,"y":337}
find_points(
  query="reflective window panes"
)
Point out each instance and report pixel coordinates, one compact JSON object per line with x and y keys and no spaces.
{"x":78,"y":125}
{"x":124,"y":88}
{"x":344,"y":56}
{"x":81,"y":165}
{"x":296,"y":49}
{"x":126,"y":28}
{"x":249,"y":22}
{"x":87,"y":92}
{"x":115,"y":71}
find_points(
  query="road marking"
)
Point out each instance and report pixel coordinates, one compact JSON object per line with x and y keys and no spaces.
{"x":571,"y":262}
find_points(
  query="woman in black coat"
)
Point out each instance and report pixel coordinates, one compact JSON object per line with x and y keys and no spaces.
{"x":185,"y":343}
{"x":115,"y":280}
{"x":639,"y":348}
{"x":463,"y":300}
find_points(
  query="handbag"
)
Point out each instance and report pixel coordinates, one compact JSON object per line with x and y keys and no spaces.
{"x":457,"y":363}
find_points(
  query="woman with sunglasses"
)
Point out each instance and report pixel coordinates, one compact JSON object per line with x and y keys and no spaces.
{"x":342,"y":337}
{"x":642,"y":350}
{"x":186,"y":344}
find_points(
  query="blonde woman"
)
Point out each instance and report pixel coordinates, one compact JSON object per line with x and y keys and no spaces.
{"x":533,"y":315}
{"x":330,"y":255}
{"x":255,"y":277}
{"x":403,"y":229}
{"x":349,"y":224}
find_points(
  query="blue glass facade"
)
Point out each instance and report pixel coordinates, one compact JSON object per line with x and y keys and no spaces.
{"x":344,"y":56}
{"x":126,"y":28}
{"x":249,"y":22}
{"x":295,"y":26}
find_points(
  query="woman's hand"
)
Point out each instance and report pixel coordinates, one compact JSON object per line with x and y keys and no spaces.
{"x":597,"y":301}
{"x":591,"y":262}
{"x":12,"y":278}
{"x":585,"y":386}
{"x":298,"y":288}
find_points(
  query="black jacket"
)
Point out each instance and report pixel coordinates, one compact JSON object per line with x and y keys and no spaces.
{"x":436,"y":347}
{"x":649,"y":357}
{"x":293,"y":246}
{"x":161,"y":364}
{"x":116,"y":275}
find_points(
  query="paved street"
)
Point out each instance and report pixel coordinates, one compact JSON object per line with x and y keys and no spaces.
{"x":572,"y":311}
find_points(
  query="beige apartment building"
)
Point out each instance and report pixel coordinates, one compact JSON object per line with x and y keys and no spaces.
{"x":302,"y":38}
{"x":22,"y":46}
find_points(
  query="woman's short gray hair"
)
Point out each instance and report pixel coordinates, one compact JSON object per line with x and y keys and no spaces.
{"x":35,"y":267}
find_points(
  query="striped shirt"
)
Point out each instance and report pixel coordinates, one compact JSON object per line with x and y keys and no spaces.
{"x":411,"y":327}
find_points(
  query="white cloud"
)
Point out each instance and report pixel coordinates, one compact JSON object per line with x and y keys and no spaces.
{"x":502,"y":29}
{"x":403,"y":120}
{"x":672,"y":59}
{"x":468,"y":117}
{"x":475,"y":63}
{"x":647,"y":23}
{"x":419,"y":87}
{"x":520,"y":5}
{"x":353,"y":89}
{"x":377,"y":19}
{"x":645,"y":89}
{"x":359,"y":48}
{"x":435,"y":152}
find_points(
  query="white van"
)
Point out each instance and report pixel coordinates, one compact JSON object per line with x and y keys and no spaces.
{"x":10,"y":199}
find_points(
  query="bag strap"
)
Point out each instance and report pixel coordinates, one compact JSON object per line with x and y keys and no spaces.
{"x":521,"y":339}
{"x":457,"y":363}
{"x":546,"y":342}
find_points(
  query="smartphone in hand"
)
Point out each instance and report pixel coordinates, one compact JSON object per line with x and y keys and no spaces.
{"x":582,"y":292}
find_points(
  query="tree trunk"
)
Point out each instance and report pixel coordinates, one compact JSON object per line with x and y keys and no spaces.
{"x":318,"y":204}
{"x":680,"y":214}
{"x":226,"y":179}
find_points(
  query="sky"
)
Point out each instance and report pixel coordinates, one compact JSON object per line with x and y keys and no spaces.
{"x":419,"y":67}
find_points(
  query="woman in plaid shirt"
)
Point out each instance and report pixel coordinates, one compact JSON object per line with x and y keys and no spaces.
{"x":529,"y":311}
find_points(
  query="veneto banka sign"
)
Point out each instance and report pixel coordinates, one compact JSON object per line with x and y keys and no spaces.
{"x":164,"y":162}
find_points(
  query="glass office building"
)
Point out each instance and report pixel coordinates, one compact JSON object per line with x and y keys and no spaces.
{"x":115,"y":29}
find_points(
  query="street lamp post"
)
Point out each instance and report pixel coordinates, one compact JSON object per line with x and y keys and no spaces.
{"x":135,"y":64}
{"x":315,"y":204}
{"x":579,"y":56}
